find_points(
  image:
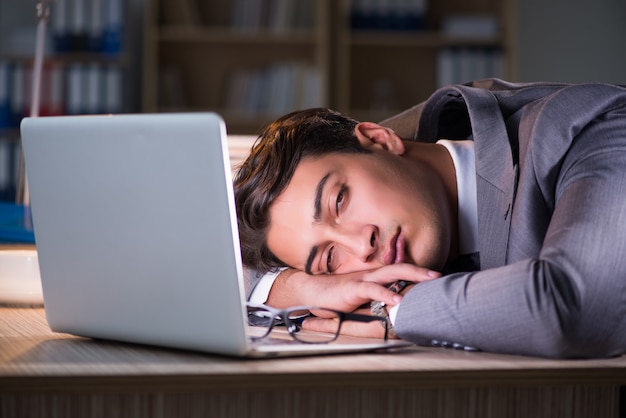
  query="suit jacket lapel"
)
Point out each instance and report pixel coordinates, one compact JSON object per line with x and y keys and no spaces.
{"x":496,"y":176}
{"x":496,"y":171}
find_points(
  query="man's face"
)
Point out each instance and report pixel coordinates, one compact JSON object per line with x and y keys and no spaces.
{"x":350,"y":212}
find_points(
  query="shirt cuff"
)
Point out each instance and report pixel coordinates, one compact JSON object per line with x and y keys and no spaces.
{"x":261,"y":291}
{"x":393,"y":311}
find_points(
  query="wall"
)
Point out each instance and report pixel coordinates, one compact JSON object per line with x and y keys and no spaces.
{"x":571,"y":40}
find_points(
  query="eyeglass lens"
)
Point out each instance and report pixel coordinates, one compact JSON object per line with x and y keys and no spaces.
{"x":265,"y":317}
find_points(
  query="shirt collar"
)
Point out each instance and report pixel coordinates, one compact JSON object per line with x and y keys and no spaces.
{"x":462,"y":153}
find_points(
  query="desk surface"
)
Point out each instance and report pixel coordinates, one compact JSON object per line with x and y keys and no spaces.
{"x":32,"y":358}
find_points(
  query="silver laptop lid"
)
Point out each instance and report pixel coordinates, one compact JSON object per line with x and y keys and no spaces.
{"x":136,"y":228}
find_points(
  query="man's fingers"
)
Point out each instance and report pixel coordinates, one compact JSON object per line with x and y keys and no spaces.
{"x":320,"y":324}
{"x":406,"y":272}
{"x":374,"y":291}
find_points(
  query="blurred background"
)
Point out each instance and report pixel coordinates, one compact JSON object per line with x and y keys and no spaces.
{"x":253,"y":60}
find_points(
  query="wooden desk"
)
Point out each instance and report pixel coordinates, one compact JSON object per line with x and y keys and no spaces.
{"x":44,"y":374}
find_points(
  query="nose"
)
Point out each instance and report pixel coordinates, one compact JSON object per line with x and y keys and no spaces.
{"x":362,"y":241}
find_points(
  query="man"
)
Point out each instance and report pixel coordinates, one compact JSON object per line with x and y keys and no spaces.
{"x":522,"y":207}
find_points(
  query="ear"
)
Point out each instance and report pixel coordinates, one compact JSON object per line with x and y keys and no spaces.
{"x":372,"y":135}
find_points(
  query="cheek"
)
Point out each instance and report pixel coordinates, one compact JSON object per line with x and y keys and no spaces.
{"x":378,"y":196}
{"x":387,"y":203}
{"x":348,"y":263}
{"x":284,"y":240}
{"x":431,"y":245}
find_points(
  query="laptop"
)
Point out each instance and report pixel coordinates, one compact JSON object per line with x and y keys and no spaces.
{"x":136,"y":233}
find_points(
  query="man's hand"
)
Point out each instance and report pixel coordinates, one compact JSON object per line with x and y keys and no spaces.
{"x":344,"y":292}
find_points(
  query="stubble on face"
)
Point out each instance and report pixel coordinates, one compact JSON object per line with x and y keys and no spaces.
{"x":403,"y":203}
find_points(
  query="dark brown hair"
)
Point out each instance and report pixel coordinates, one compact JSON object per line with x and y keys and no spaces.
{"x":268,"y":169}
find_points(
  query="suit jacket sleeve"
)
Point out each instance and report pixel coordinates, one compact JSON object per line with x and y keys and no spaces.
{"x":552,"y":222}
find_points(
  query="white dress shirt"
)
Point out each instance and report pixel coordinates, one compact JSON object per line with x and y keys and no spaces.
{"x":462,"y":153}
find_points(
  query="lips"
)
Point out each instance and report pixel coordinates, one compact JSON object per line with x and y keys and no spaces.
{"x":399,"y":249}
{"x":395,"y":254}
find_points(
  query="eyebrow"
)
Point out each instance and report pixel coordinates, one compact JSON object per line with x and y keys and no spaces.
{"x":317,"y":216}
{"x":317,"y":206}
{"x":309,"y":260}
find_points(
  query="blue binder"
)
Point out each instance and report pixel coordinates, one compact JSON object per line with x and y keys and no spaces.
{"x":16,"y":224}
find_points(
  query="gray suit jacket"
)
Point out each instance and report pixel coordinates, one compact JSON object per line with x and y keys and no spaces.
{"x":551,"y":184}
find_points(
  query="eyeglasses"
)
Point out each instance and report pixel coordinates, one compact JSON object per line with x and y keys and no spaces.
{"x":267,"y":316}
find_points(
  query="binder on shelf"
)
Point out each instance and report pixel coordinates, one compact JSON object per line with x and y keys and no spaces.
{"x":18,"y":99}
{"x":275,"y":15}
{"x":77,"y":25}
{"x":94,"y":86}
{"x":95,"y":26}
{"x":113,"y":102}
{"x":65,"y":89}
{"x":113,"y":27}
{"x":180,"y":12}
{"x":6,"y":192}
{"x":459,"y":65}
{"x":10,"y":154}
{"x":397,"y":15}
{"x":171,"y":88}
{"x":5,"y":95}
{"x":75,"y":95}
{"x":470,"y":26}
{"x":60,"y":32}
{"x":88,"y":26}
{"x":54,"y":89}
{"x":275,"y":89}
{"x":279,"y":15}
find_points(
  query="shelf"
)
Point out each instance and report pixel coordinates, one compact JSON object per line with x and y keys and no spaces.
{"x":368,"y":115}
{"x":368,"y":74}
{"x":72,"y":58}
{"x":247,"y":73}
{"x":237,"y":123}
{"x":425,"y":39}
{"x":235,"y":117}
{"x":12,"y":134}
{"x":228,"y":36}
{"x":380,"y":73}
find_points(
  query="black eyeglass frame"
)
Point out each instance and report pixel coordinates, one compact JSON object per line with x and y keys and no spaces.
{"x":293,"y":326}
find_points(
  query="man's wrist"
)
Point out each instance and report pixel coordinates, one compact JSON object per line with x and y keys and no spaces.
{"x":380,"y":308}
{"x":284,"y":291}
{"x":392,"y":311}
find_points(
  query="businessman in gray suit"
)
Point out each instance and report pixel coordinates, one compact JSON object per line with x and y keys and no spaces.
{"x":501,"y":205}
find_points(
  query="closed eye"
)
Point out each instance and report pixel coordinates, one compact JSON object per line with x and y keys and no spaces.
{"x":340,"y":199}
{"x":329,"y":260}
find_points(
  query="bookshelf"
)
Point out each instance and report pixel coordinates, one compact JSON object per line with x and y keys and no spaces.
{"x":86,"y":54}
{"x":86,"y":68}
{"x":248,"y":60}
{"x":371,"y":59}
{"x":381,"y":72}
